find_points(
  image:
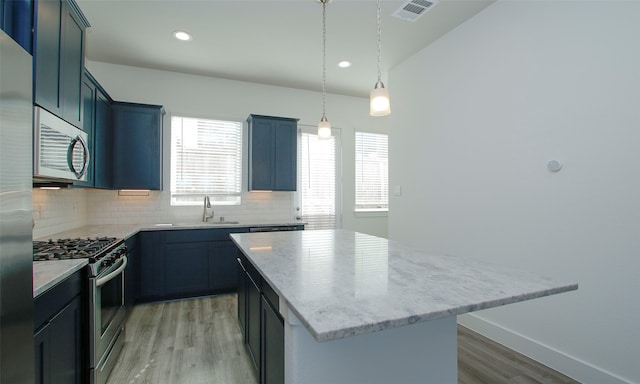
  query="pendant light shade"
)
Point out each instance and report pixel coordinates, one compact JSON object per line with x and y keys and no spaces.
{"x":379,"y":102}
{"x":324,"y":127}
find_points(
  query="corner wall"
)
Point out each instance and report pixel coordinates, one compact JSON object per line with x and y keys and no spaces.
{"x":477,"y":116}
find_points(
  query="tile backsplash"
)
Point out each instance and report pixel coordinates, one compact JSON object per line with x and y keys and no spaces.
{"x":59,"y":210}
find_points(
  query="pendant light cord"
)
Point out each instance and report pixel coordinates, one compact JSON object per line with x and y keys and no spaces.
{"x":379,"y":33}
{"x":324,"y":55}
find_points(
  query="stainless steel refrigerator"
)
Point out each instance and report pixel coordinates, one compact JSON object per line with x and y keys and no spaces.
{"x":16,"y":250}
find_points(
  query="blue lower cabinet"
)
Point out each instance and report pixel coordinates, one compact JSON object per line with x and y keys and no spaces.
{"x":186,"y":269}
{"x":222,"y":266}
{"x":261,"y":323}
{"x":272,"y":345}
{"x":186,"y":263}
{"x":58,"y":335}
{"x":131,"y":273}
{"x":151,"y":271}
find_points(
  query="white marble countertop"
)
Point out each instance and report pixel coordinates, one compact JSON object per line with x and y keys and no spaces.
{"x":46,"y":274}
{"x":342,"y":283}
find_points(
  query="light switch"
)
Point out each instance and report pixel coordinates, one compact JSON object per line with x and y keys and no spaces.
{"x":397,"y":190}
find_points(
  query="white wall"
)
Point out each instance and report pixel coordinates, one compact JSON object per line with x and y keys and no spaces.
{"x":477,"y":116}
{"x":209,"y":97}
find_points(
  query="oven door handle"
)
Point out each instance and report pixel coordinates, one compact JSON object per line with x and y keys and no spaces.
{"x":105,"y":279}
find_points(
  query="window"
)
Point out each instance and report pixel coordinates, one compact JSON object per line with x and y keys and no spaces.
{"x":206,"y":159}
{"x":317,"y":179}
{"x":372,"y":172}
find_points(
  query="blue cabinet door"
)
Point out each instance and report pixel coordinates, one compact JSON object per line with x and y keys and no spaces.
{"x":272,"y":345}
{"x":186,"y":269}
{"x":59,"y":333}
{"x":151,"y":274}
{"x":285,"y":138}
{"x":103,"y":142}
{"x":137,"y":141}
{"x":59,"y":58}
{"x":272,"y":153}
{"x":72,"y":65}
{"x":16,"y":19}
{"x":222,"y":266}
{"x":46,"y":55}
{"x":261,"y":148}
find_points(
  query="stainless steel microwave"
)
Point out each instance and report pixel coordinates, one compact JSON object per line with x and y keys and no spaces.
{"x":60,"y":150}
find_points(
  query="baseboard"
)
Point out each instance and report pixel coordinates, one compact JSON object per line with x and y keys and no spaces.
{"x":575,"y":368}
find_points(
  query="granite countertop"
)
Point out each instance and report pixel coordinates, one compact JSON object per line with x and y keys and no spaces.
{"x":46,"y":274}
{"x":341,"y":283}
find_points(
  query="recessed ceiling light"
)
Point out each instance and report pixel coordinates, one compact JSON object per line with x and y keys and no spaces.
{"x":344,"y":64}
{"x":182,"y":35}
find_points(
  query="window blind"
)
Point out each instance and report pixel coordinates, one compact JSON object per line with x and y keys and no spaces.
{"x":372,"y":172}
{"x":206,"y":159}
{"x":317,"y":161}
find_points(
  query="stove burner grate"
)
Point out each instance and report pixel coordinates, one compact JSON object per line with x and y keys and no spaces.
{"x":64,"y":249}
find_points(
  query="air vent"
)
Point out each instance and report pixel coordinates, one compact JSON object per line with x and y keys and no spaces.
{"x":413,"y":9}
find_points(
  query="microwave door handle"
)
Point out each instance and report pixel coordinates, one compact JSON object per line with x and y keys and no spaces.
{"x":105,"y":279}
{"x":85,"y":162}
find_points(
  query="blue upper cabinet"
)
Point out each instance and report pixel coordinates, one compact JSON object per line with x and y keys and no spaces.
{"x":58,"y":47}
{"x":96,"y":122}
{"x":137,"y":146}
{"x":16,"y":19}
{"x":272,"y":153}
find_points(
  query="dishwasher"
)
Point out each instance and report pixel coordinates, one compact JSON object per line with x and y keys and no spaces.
{"x":277,"y":229}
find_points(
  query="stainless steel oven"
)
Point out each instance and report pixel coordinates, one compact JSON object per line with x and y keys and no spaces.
{"x":107,"y":312}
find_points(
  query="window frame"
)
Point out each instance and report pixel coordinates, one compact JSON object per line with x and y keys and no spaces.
{"x":229,"y":199}
{"x":360,"y":211}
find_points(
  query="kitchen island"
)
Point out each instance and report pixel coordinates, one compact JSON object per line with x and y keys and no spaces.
{"x":363,"y":309}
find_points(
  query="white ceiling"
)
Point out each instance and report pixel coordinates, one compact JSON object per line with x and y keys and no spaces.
{"x":277,"y":42}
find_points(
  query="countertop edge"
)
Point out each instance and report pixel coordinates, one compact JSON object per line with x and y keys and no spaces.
{"x":58,"y":272}
{"x":400,"y":322}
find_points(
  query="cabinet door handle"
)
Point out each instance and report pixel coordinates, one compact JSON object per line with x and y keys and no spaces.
{"x":241,"y":265}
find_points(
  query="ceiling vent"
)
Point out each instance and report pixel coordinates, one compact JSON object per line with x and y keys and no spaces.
{"x":412,"y":10}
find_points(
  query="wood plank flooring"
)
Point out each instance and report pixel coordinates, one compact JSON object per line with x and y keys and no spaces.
{"x":198,"y":341}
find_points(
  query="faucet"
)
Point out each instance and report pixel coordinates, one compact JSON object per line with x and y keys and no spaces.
{"x":207,"y":204}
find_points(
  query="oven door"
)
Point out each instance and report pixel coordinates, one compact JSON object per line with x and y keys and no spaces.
{"x":108,"y":314}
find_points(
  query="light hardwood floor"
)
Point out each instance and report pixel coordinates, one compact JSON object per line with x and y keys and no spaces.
{"x":198,"y":341}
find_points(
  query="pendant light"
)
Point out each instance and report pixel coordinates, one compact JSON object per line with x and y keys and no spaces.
{"x":324,"y":127}
{"x":379,"y":98}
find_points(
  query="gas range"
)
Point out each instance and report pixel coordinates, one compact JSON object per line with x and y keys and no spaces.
{"x":100,"y":251}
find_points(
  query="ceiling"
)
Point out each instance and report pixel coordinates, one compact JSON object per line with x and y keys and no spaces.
{"x":276,"y":42}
